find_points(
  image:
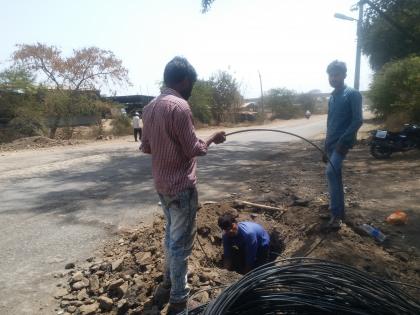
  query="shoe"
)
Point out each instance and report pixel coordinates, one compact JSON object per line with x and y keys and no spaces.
{"x":324,"y":216}
{"x":161,"y":295}
{"x":177,"y":308}
{"x":333,"y":225}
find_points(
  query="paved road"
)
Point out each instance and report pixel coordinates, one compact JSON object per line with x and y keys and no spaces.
{"x":58,"y":205}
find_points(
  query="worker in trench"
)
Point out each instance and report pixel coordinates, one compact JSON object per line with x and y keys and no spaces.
{"x":246,"y":245}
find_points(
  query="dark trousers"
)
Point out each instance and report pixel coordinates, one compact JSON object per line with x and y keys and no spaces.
{"x":137,"y":131}
{"x":263,"y":256}
{"x":238,"y":258}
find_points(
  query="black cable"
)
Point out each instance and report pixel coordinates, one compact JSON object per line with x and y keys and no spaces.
{"x":310,"y":286}
{"x":290,"y":134}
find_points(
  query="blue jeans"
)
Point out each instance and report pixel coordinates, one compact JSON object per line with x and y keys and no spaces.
{"x":335,"y":184}
{"x":180,"y":214}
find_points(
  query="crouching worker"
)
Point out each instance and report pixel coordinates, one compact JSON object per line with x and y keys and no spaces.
{"x":245,"y":244}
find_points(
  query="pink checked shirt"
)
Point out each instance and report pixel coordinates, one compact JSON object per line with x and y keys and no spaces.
{"x":169,"y":135}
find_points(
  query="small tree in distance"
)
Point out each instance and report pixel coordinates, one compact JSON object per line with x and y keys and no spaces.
{"x":201,"y":101}
{"x":282,"y":103}
{"x":226,"y":96}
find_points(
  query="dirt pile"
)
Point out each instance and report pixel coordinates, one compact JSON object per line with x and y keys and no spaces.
{"x":124,"y":280}
{"x":36,"y":142}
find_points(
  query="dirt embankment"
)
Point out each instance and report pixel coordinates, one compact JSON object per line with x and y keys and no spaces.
{"x":123,"y":279}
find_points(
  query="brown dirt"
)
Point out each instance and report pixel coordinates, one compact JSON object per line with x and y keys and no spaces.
{"x":292,"y":179}
{"x":36,"y":142}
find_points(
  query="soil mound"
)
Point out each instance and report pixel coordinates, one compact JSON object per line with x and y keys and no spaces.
{"x":124,"y":280}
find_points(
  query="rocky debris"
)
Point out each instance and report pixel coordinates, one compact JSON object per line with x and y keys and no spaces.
{"x":89,"y":309}
{"x":94,"y":283}
{"x":69,"y":266}
{"x":105,"y":303}
{"x":61,"y":292}
{"x":117,"y":265}
{"x":124,"y":280}
{"x":115,"y":284}
{"x":80,"y":284}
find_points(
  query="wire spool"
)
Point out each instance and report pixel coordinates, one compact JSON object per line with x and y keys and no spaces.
{"x":310,"y":286}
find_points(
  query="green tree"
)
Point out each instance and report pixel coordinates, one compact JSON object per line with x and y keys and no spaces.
{"x":20,"y":109}
{"x":17,"y":79}
{"x":201,"y":101}
{"x":282,"y":103}
{"x":307,"y":101}
{"x":226,"y":97}
{"x":395,"y":89}
{"x":392,"y":35}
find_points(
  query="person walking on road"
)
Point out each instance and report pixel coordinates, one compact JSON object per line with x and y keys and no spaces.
{"x":169,"y":136}
{"x":136,"y":126}
{"x":343,"y":122}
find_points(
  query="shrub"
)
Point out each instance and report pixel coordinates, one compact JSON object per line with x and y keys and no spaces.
{"x":201,"y":101}
{"x":282,"y":103}
{"x":27,"y":124}
{"x":395,"y":90}
{"x":121,"y":126}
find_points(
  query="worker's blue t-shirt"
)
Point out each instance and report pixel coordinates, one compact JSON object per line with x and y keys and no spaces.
{"x":250,"y":238}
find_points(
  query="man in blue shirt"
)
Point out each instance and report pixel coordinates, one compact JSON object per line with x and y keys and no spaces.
{"x":249,"y":239}
{"x":343,"y":122}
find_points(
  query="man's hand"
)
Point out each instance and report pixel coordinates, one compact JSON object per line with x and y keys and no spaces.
{"x":217,"y":138}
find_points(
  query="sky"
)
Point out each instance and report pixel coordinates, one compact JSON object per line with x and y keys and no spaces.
{"x":290,"y":42}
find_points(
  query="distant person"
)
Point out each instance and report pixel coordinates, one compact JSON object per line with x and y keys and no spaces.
{"x":308,"y":114}
{"x":246,"y":245}
{"x":136,"y":126}
{"x":343,"y":122}
{"x":169,"y":136}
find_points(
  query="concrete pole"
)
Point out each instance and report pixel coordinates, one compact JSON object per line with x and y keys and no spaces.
{"x":262,"y":95}
{"x":359,"y":46}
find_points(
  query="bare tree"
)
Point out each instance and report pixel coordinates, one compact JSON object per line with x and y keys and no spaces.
{"x":86,"y":68}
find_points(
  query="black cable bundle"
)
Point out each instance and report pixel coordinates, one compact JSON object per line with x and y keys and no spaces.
{"x":309,"y":286}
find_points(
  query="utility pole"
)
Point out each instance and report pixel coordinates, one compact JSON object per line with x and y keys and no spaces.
{"x":262,"y":95}
{"x":359,"y":46}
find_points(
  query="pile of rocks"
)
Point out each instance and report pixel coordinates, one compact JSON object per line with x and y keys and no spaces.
{"x":124,"y":280}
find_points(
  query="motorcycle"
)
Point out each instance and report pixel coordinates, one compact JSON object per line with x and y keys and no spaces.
{"x":384,"y":142}
{"x":308,"y":114}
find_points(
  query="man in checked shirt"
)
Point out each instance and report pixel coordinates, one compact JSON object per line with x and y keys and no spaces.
{"x":169,"y":136}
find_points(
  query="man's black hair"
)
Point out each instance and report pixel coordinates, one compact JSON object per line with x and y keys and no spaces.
{"x":226,"y":221}
{"x":177,"y":70}
{"x":337,"y":66}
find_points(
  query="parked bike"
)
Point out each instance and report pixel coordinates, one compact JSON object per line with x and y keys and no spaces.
{"x":384,"y":142}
